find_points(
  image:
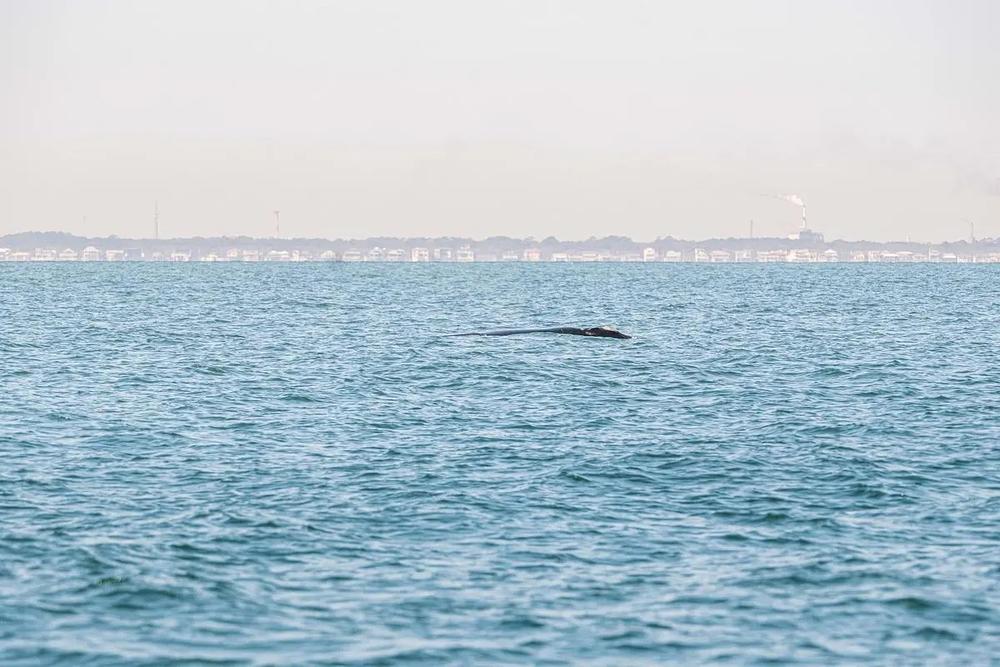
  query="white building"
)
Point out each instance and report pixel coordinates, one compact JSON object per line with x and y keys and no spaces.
{"x":649,"y":255}
{"x":91,"y":254}
{"x":769,"y":256}
{"x":800,"y":255}
{"x":719,"y":256}
{"x":420,"y":255}
{"x":68,"y":255}
{"x":465,"y":254}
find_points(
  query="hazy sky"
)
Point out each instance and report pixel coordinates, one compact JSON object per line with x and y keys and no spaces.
{"x":465,"y":117}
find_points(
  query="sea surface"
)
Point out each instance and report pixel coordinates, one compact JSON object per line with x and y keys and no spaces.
{"x":291,"y":464}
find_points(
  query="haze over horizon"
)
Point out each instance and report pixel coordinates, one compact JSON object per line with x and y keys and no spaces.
{"x":447,"y":118}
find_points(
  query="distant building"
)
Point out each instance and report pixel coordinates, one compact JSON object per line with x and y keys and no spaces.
{"x":90,"y":254}
{"x":808,"y":236}
{"x":511,"y":256}
{"x":800,"y":255}
{"x":68,"y":255}
{"x":532,"y":255}
{"x":465,"y":254}
{"x":352,"y":256}
{"x":719,"y":256}
{"x":672,"y":256}
{"x":395,"y":255}
{"x":114,"y":255}
{"x":443,"y":255}
{"x":649,"y":255}
{"x":179,"y":256}
{"x":328,"y":256}
{"x":420,"y":255}
{"x":771,"y":256}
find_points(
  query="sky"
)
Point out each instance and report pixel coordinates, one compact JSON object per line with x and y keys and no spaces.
{"x":572,"y":118}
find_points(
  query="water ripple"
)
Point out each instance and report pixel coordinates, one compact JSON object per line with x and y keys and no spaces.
{"x":282,"y":464}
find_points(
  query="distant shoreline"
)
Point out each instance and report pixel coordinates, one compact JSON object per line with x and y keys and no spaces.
{"x":811,"y":248}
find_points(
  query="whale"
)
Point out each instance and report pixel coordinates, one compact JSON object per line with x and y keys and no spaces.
{"x":597,"y":332}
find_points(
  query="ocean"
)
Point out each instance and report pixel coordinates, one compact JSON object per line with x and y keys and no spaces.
{"x":292,"y":464}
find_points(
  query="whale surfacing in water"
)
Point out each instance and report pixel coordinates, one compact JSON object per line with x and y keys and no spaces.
{"x":599,"y":332}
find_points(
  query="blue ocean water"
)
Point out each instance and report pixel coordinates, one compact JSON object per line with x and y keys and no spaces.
{"x":289,"y":464}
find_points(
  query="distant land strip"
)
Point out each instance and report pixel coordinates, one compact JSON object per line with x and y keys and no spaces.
{"x":809,"y":247}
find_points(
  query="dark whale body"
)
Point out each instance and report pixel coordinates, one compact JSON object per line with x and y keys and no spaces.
{"x":599,"y":332}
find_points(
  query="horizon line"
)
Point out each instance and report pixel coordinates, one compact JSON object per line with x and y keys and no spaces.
{"x":528,"y":239}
